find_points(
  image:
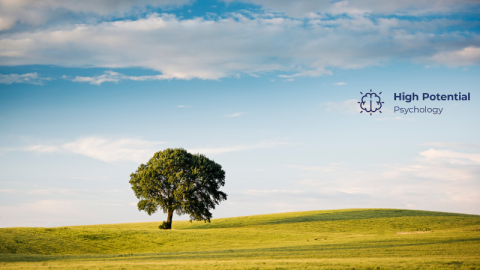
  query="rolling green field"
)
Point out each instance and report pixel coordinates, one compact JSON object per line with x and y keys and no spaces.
{"x":338,"y":239}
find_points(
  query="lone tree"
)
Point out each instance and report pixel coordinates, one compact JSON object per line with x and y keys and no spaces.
{"x":175,"y":180}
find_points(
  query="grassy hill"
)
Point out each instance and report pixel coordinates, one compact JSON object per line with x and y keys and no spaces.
{"x":338,"y":239}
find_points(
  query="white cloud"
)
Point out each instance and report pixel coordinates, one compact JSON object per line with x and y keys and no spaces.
{"x":37,"y":12}
{"x":135,"y":150}
{"x":454,"y":145}
{"x":237,"y":44}
{"x":31,"y":78}
{"x":308,"y":8}
{"x":235,"y":114}
{"x":317,"y":69}
{"x":348,"y":106}
{"x":436,"y":180}
{"x":227,"y":149}
{"x":451,"y":156}
{"x":183,"y":106}
{"x":340,"y":83}
{"x":469,"y":56}
{"x":127,"y":149}
{"x":111,"y":76}
{"x":43,"y":148}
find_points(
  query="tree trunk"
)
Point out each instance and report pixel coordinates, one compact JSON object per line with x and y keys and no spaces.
{"x":169,"y":219}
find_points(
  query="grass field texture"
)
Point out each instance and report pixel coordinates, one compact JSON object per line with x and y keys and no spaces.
{"x":337,"y":239}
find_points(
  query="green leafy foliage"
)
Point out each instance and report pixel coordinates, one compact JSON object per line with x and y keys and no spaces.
{"x":165,"y":225}
{"x":174,"y":180}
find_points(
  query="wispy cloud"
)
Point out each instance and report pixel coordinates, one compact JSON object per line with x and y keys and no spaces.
{"x":340,"y":83}
{"x":454,"y":145}
{"x":348,"y":106}
{"x":451,"y":156}
{"x":236,"y":114}
{"x":313,"y":71}
{"x":38,"y":148}
{"x":437,"y":179}
{"x":135,"y":150}
{"x":31,"y":78}
{"x":469,"y":56}
{"x":43,"y":148}
{"x":237,"y":148}
{"x":315,"y":9}
{"x":111,"y":151}
{"x":184,"y":106}
{"x":112,"y":76}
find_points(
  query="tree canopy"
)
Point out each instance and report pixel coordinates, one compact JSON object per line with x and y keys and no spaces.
{"x":174,"y":180}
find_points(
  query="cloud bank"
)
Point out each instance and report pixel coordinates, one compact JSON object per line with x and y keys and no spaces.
{"x":438,"y":179}
{"x":38,"y":12}
{"x":242,"y":44}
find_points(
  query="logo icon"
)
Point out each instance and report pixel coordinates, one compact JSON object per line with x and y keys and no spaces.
{"x":371,"y":102}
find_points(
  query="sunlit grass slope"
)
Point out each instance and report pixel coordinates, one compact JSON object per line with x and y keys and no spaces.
{"x":339,"y":239}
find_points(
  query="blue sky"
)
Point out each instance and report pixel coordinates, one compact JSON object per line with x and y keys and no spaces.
{"x":268,"y":89}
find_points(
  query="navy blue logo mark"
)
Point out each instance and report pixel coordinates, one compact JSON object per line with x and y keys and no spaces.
{"x":371,"y":102}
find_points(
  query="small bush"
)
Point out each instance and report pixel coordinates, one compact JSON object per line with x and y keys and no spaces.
{"x":165,"y":226}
